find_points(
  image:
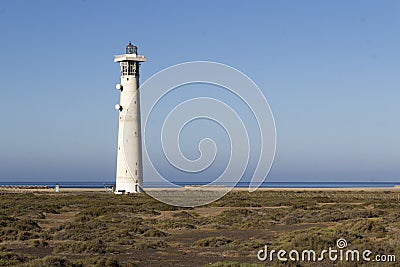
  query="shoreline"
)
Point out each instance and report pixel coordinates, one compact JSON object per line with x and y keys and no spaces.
{"x":236,"y":189}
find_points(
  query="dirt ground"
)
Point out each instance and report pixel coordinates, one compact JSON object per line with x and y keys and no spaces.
{"x":102,"y":229}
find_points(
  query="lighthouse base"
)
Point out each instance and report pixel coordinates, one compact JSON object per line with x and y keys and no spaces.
{"x":126,"y":185}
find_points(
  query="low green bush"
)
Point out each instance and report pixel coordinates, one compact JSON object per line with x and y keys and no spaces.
{"x":9,"y":258}
{"x":219,"y":241}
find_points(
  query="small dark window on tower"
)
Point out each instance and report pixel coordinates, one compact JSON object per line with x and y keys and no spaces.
{"x":124,"y":68}
{"x":132,"y":66}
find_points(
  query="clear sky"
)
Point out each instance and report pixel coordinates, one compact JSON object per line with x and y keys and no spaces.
{"x":329,"y":69}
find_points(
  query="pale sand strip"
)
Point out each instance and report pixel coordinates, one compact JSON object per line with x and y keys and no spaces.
{"x":65,"y":190}
{"x":52,"y":190}
{"x":369,"y":189}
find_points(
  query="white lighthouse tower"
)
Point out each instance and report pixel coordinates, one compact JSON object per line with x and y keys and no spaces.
{"x":129,"y":177}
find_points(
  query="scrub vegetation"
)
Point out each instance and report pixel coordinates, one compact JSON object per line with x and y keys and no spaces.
{"x":102,"y":229}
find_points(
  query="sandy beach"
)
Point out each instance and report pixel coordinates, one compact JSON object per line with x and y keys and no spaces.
{"x":51,"y":190}
{"x":299,"y":189}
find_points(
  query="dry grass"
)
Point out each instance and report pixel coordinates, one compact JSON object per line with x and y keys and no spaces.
{"x":101,"y":229}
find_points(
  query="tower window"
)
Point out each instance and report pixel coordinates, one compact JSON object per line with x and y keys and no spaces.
{"x":124,"y":68}
{"x":132,"y":66}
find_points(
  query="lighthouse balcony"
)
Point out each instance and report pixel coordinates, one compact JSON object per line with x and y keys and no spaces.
{"x":129,"y":57}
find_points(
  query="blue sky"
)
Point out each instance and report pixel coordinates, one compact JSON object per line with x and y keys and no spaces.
{"x":329,"y":69}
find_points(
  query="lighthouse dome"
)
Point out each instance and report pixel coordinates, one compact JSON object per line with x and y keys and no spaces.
{"x":131,"y":49}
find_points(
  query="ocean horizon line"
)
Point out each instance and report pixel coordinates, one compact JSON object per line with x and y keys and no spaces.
{"x":102,"y":184}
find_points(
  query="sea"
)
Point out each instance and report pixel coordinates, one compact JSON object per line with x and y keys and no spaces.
{"x":102,"y":184}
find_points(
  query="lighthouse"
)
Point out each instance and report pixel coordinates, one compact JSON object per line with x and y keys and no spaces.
{"x":129,"y":175}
